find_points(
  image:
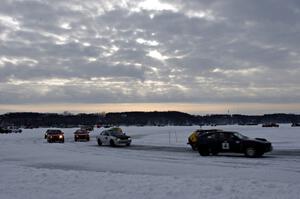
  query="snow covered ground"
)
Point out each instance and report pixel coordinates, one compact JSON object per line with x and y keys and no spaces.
{"x":159,"y":164}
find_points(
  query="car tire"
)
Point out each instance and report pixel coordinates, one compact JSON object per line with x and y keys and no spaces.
{"x":112,"y":143}
{"x":75,"y":140}
{"x":99,"y":142}
{"x":250,"y":152}
{"x":88,"y":139}
{"x":128,"y":144}
{"x":63,"y":141}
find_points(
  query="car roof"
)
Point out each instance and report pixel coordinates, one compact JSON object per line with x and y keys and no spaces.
{"x":81,"y":131}
{"x":54,"y":131}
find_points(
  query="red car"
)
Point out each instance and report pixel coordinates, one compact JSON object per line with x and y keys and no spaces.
{"x":81,"y":135}
{"x":53,"y":135}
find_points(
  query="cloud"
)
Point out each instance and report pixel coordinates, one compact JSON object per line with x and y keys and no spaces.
{"x":149,"y":51}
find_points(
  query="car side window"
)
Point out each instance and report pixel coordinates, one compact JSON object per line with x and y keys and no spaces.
{"x":233,"y":137}
{"x":221,"y":137}
{"x":211,"y":136}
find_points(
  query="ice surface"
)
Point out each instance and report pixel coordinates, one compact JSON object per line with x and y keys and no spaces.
{"x":159,"y":164}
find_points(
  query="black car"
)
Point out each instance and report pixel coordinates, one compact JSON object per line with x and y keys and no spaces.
{"x":5,"y":131}
{"x":295,"y":125}
{"x":270,"y":125}
{"x":233,"y":142}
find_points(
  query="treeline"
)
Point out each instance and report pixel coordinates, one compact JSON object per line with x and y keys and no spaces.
{"x":155,"y":118}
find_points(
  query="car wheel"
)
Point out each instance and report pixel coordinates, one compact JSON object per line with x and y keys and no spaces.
{"x":250,"y":152}
{"x":203,"y":152}
{"x":128,"y":144}
{"x":99,"y":142}
{"x":63,"y":141}
{"x":75,"y":140}
{"x":88,"y":139}
{"x":112,"y":143}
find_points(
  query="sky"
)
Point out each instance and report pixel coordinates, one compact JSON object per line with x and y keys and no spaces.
{"x":197,"y":56}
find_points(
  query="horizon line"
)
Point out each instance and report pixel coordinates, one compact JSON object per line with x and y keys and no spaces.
{"x":191,"y":108}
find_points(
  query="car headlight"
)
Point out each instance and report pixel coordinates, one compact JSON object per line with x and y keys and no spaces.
{"x":60,"y":136}
{"x":129,"y":138}
{"x":118,"y":139}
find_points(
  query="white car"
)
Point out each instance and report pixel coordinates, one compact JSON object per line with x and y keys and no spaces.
{"x":113,"y":137}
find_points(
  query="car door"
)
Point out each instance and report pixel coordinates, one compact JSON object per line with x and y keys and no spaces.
{"x":225,"y":142}
{"x":234,"y":143}
{"x":105,"y":137}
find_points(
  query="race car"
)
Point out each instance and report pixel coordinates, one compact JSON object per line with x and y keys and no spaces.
{"x":232,"y":142}
{"x":113,"y":137}
{"x":54,"y":135}
{"x":193,"y":138}
{"x":81,"y":135}
{"x":270,"y":125}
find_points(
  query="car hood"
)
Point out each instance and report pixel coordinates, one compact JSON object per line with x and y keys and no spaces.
{"x":259,"y":140}
{"x":122,"y":136}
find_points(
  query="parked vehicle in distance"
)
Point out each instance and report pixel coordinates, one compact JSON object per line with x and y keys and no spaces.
{"x":16,"y":130}
{"x":113,"y":137}
{"x":295,"y":124}
{"x":5,"y":131}
{"x":193,"y":138}
{"x":270,"y":125}
{"x":54,"y":135}
{"x":81,"y":135}
{"x":231,"y":142}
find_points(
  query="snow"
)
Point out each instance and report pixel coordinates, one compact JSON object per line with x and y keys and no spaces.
{"x":159,"y":164}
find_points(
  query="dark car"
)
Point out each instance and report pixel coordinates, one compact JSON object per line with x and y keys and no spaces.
{"x":233,"y":142}
{"x":295,"y":125}
{"x":53,"y":135}
{"x":81,"y":135}
{"x":270,"y":125}
{"x":5,"y":131}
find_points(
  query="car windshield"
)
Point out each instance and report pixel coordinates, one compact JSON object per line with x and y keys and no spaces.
{"x":240,"y":136}
{"x":81,"y":132}
{"x":54,"y":132}
{"x":116,"y":131}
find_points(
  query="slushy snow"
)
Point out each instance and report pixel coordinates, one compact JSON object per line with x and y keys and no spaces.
{"x":159,"y":164}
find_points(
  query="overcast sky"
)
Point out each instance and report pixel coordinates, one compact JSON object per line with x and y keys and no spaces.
{"x":153,"y":51}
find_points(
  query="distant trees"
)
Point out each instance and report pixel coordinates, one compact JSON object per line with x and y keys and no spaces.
{"x":156,"y":118}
